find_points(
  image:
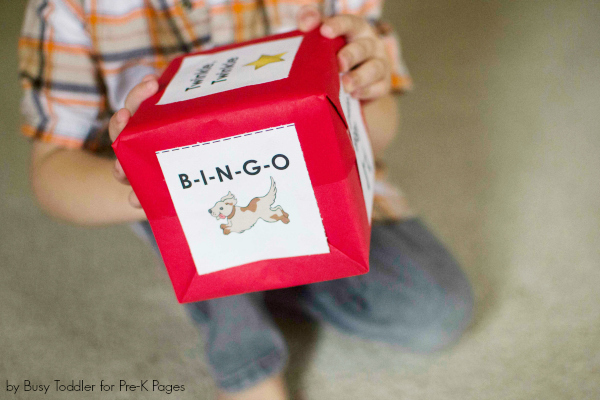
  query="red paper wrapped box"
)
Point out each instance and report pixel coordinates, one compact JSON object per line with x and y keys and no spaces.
{"x":254,"y":168}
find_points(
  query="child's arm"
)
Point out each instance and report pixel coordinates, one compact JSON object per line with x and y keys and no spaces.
{"x":383,"y":118}
{"x":80,"y":187}
{"x":63,"y":106}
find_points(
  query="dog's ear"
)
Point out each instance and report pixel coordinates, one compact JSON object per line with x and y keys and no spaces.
{"x":228,"y":196}
{"x":231,"y":202}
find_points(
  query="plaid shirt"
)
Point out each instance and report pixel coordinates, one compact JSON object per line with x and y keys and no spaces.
{"x":80,"y":58}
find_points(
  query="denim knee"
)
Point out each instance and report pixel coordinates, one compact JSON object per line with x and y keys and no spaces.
{"x":438,"y":323}
{"x":415,"y":294}
{"x":427,"y":325}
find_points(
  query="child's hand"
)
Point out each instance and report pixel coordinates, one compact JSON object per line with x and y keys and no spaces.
{"x":136,"y":96}
{"x":363,"y":60}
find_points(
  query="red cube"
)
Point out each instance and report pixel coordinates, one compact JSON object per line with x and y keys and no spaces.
{"x":254,"y":168}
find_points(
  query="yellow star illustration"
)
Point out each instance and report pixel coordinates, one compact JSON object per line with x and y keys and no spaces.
{"x":264,"y":60}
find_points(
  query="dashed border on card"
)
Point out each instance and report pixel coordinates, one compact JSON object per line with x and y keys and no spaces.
{"x":225,"y":139}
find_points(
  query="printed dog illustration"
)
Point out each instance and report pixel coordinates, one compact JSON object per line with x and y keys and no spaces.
{"x":240,"y":219}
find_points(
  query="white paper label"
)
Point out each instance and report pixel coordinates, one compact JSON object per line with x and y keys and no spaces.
{"x":362,"y":146}
{"x":207,"y":74}
{"x":244,"y":198}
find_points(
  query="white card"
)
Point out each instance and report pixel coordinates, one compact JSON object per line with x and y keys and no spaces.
{"x":207,"y":74}
{"x":362,"y":146}
{"x":244,"y":198}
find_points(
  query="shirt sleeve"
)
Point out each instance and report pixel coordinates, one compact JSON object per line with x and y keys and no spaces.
{"x":64,"y":99}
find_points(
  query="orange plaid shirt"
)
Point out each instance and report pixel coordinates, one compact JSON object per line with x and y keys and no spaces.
{"x":80,"y":58}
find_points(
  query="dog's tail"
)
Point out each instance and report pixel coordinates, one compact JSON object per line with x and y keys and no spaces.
{"x":270,"y":197}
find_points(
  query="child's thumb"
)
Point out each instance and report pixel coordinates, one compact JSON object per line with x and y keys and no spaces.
{"x":308,"y":18}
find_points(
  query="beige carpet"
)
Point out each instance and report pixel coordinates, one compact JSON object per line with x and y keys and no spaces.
{"x":499,"y":152}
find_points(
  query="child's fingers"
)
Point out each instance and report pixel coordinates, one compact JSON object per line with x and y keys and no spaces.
{"x":351,"y":26}
{"x":117,"y":123}
{"x":141,"y":92}
{"x":133,"y":200}
{"x":119,"y":120}
{"x":356,"y":52}
{"x":149,"y":77}
{"x":366,"y":74}
{"x":376,"y":90}
{"x":119,"y":174}
{"x":308,"y":18}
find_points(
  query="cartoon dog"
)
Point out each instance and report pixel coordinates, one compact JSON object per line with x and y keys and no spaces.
{"x":240,"y":219}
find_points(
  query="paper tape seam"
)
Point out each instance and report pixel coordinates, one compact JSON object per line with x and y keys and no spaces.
{"x":229,"y":138}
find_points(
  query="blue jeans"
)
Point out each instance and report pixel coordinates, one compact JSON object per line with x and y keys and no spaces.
{"x":415,"y":296}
